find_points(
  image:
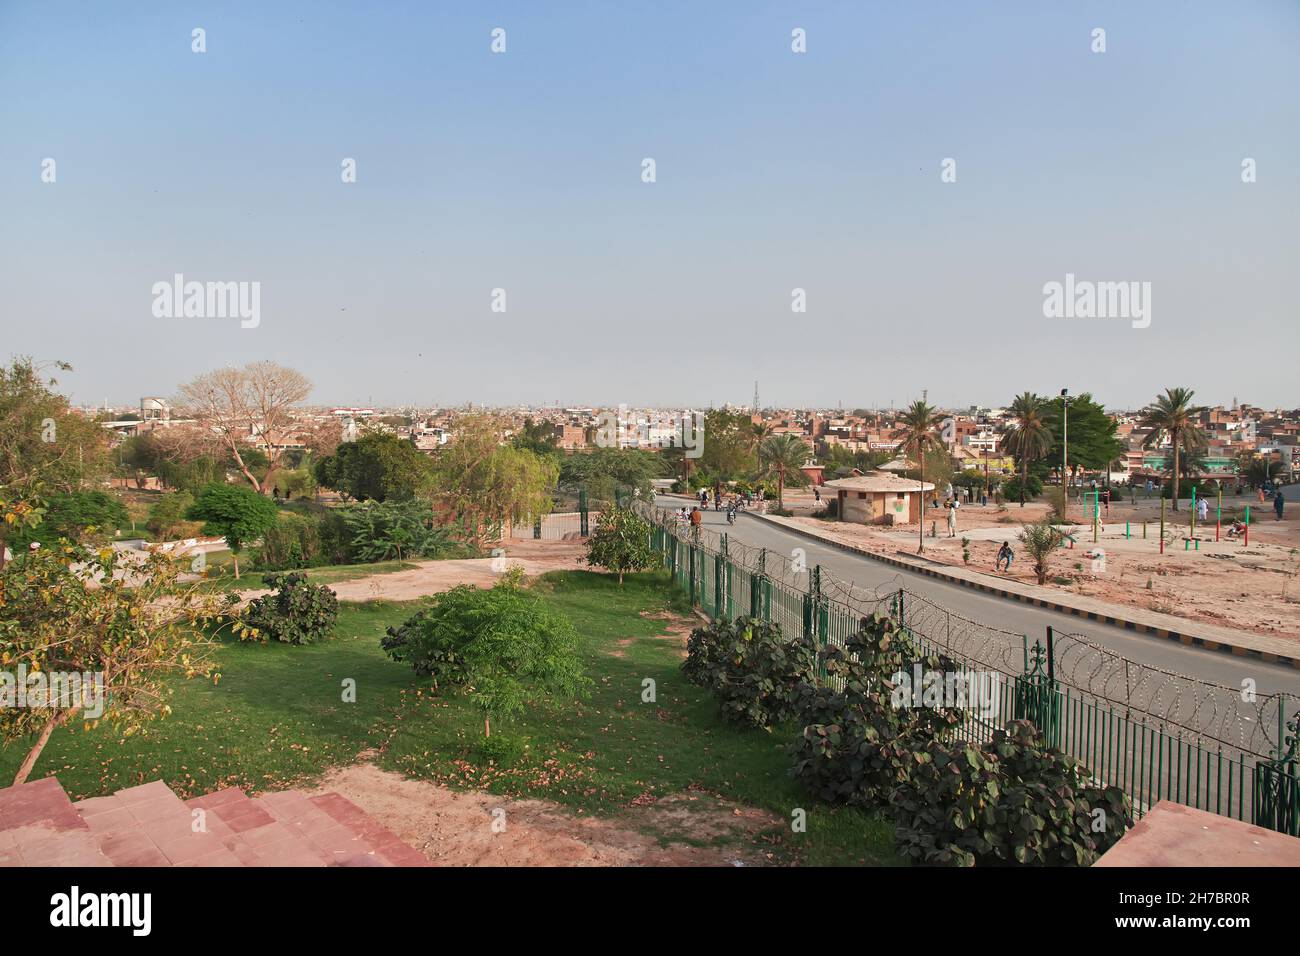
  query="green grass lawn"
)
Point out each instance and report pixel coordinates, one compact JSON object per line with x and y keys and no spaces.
{"x":276,"y":719}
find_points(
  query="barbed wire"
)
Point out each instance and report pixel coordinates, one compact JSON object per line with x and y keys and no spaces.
{"x":1169,"y":700}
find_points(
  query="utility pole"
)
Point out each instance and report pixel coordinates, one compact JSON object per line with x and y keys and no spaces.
{"x":1065,"y":451}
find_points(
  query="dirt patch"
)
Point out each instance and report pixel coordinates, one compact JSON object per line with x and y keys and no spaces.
{"x":677,"y":629}
{"x":1255,"y":588}
{"x":472,"y":828}
{"x":433,"y":577}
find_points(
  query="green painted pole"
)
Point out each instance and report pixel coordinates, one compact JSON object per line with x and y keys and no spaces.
{"x":1245,"y":538}
{"x":1193,"y":511}
{"x":1218,"y":514}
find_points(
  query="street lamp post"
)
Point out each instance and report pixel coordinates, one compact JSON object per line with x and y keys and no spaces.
{"x":1065,"y":452}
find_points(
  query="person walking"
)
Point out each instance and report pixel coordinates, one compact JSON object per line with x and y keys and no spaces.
{"x":1203,"y":508}
{"x":1277,"y":504}
{"x":697,"y":518}
{"x":952,"y":520}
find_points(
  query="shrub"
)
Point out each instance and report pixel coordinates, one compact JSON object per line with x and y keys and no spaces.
{"x":503,"y":645}
{"x":294,"y":542}
{"x":858,"y":743}
{"x":1014,"y":801}
{"x":167,"y":514}
{"x":334,"y":538}
{"x":621,"y":543}
{"x":299,"y":612}
{"x":78,"y":516}
{"x":752,"y":669}
{"x":1056,"y":504}
{"x":1011,"y":488}
{"x":1040,"y":540}
{"x":384,"y":530}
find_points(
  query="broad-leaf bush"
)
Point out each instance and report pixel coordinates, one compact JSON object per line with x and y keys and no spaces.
{"x":753,"y":670}
{"x":857,"y":744}
{"x":1014,"y":801}
{"x":299,"y":612}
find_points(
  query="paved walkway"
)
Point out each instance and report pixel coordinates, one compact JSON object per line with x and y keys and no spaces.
{"x":149,"y":825}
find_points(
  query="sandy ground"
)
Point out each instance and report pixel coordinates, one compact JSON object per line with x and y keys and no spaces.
{"x":456,"y":828}
{"x":1253,"y":588}
{"x":431,"y":577}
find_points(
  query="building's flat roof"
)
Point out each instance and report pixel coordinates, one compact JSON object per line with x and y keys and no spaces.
{"x":881,"y":481}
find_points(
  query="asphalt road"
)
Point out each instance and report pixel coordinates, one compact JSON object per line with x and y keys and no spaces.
{"x":1214,"y":666}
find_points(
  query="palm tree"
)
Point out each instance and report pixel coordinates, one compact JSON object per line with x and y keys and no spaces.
{"x":1173,"y":415}
{"x":781,"y":455}
{"x":1029,"y":438}
{"x":917,"y":433}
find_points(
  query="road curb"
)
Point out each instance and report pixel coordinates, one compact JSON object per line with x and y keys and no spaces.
{"x":1138,"y":627}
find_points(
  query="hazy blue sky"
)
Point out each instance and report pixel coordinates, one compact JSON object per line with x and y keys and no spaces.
{"x":775,"y":170}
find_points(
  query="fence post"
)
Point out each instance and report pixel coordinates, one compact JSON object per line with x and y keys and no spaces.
{"x":718,"y":560}
{"x":691,"y":569}
{"x":1051,"y":657}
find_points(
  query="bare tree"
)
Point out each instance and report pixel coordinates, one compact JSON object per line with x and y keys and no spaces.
{"x":249,"y":405}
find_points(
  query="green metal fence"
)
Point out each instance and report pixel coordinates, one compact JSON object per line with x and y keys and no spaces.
{"x":1123,"y":738}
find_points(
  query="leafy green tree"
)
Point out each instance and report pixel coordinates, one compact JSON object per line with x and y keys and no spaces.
{"x":781,"y":457}
{"x":140,"y":457}
{"x":504,"y":646}
{"x":78,"y":610}
{"x":376,"y":467}
{"x":1030,"y":436}
{"x":621,"y":543}
{"x":482,"y":483}
{"x":603,"y":471}
{"x":1094,"y":444}
{"x":917,"y":437}
{"x":89,"y":516}
{"x":836,"y":458}
{"x":240,"y":515}
{"x":1173,"y":417}
{"x":1259,"y":470}
{"x":541,"y":438}
{"x":45,"y":447}
{"x":730,"y":449}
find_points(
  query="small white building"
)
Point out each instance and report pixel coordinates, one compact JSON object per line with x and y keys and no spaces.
{"x":877,"y":498}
